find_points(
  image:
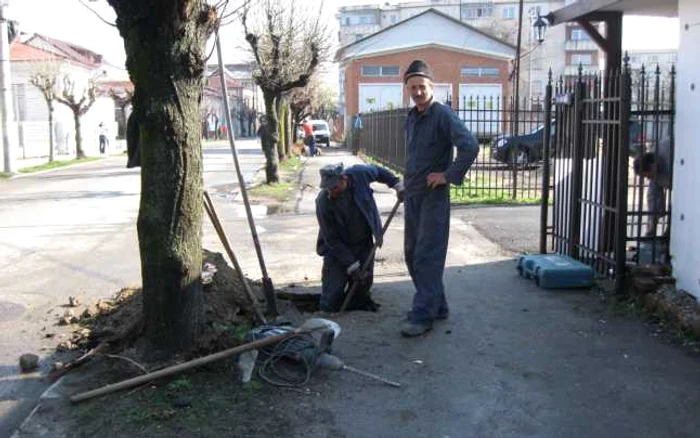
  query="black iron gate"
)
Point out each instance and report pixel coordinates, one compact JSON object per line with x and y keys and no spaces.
{"x":591,"y":205}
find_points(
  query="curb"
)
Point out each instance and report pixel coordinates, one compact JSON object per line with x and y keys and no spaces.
{"x":70,"y":166}
{"x":44,"y":396}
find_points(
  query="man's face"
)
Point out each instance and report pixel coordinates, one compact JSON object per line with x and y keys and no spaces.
{"x":421,"y":90}
{"x":339,"y":187}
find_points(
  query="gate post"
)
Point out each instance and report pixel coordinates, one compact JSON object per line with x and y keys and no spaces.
{"x":576,"y":169}
{"x":544,"y":209}
{"x":622,"y":178}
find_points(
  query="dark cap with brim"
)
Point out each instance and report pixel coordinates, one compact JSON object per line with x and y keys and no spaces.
{"x":330,"y":175}
{"x":418,"y":68}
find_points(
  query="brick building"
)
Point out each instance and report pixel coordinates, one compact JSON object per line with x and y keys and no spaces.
{"x":465,"y":61}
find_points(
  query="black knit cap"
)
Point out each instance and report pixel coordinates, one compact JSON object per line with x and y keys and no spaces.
{"x":418,"y":68}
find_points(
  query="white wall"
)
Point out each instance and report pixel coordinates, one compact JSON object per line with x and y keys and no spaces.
{"x":685,"y":225}
{"x":33,"y":130}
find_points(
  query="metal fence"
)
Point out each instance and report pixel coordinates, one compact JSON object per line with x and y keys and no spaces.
{"x":602,"y":129}
{"x":507,"y":168}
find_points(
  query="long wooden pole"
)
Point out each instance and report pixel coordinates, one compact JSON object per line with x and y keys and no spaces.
{"x":268,"y":288}
{"x":145,"y":378}
{"x":209,"y":208}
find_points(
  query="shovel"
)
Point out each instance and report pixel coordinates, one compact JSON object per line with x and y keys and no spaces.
{"x":366,"y":264}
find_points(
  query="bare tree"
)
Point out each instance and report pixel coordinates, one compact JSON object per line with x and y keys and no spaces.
{"x":79,"y":103}
{"x":165,"y":56}
{"x":45,"y":78}
{"x":122,"y":97}
{"x":287,"y":43}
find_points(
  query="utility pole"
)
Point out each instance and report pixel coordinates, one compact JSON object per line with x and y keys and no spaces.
{"x":516,"y":108}
{"x":5,"y":90}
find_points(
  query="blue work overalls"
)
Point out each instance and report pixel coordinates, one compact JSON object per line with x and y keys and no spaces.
{"x":431,"y":135}
{"x":342,"y":243}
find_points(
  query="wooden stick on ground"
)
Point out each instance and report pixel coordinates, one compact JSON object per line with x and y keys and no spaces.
{"x":209,"y":208}
{"x":194,"y":363}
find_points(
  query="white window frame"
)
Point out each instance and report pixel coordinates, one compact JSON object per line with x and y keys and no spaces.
{"x":509,"y":13}
{"x":578,"y":59}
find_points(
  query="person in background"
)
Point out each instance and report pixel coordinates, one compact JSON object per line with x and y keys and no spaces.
{"x":309,"y":136}
{"x":349,"y":224}
{"x":104,"y":142}
{"x":656,"y":167}
{"x":432,"y":131}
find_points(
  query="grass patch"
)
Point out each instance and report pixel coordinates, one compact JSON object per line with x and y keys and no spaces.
{"x":292,"y":163}
{"x":57,"y":164}
{"x":5,"y":175}
{"x":280,"y":191}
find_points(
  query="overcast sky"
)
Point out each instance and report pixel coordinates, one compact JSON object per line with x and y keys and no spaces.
{"x":70,"y":21}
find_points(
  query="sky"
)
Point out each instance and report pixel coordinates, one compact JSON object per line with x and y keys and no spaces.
{"x":69,"y":20}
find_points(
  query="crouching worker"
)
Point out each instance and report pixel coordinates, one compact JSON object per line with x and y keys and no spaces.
{"x":349,"y":225}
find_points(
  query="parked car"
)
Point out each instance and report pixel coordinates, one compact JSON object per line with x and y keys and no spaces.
{"x":322,"y":132}
{"x":529,"y":146}
{"x":527,"y":149}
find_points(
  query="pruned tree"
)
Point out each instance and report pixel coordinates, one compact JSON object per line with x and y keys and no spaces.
{"x":165,"y":56}
{"x":122,"y":97}
{"x":287,"y":43}
{"x":45,"y":78}
{"x":79,"y":102}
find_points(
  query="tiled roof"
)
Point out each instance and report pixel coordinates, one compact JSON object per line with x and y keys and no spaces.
{"x":65,"y":50}
{"x":24,"y":52}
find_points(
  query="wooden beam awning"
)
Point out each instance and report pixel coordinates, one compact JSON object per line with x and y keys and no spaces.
{"x":579,"y":10}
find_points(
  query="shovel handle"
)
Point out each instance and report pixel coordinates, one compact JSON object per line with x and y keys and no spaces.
{"x":367,"y":262}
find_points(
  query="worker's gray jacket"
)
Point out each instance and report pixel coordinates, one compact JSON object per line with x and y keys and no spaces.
{"x":329,"y":241}
{"x":430,"y":135}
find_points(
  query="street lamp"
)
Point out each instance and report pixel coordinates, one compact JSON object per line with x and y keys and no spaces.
{"x":540,"y":26}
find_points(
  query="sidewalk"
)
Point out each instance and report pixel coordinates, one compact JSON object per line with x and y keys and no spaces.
{"x":513,"y":360}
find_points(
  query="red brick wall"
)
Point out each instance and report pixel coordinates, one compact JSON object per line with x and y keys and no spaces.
{"x":446,"y":65}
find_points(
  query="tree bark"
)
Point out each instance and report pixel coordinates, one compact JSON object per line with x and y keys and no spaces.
{"x":51,"y":145}
{"x":164,"y":44}
{"x":281,"y":128}
{"x":270,"y":147}
{"x":79,"y":153}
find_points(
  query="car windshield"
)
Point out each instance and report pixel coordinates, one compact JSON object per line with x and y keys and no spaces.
{"x":320,"y":127}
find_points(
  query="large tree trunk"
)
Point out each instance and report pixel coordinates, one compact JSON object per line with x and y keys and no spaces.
{"x":79,"y":153}
{"x":164,"y":44}
{"x":270,"y":147}
{"x":51,"y":146}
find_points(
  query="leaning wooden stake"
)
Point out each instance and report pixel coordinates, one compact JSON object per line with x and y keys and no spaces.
{"x":209,"y":208}
{"x":309,"y":326}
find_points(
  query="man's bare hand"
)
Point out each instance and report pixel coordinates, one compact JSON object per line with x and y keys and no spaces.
{"x":435,"y":180}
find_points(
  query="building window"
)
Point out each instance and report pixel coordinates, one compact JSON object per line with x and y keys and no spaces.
{"x":380,"y":70}
{"x":480,"y":72}
{"x":20,"y":102}
{"x":367,"y":19}
{"x":471,"y":13}
{"x":579,"y":35}
{"x":346,"y":21}
{"x":509,"y":13}
{"x":581,"y":59}
{"x":394,"y":19}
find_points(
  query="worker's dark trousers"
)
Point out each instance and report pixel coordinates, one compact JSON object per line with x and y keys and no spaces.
{"x":427,"y":230}
{"x":335,"y":278}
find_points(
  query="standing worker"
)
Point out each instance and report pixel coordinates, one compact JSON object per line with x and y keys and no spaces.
{"x":309,"y":136}
{"x":432,"y":129}
{"x":349,"y":225}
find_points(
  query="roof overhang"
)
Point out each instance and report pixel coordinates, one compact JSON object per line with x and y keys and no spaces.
{"x":498,"y":56}
{"x":592,"y":9}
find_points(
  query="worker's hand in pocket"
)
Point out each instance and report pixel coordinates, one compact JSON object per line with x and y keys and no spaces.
{"x":399,"y":191}
{"x":435,"y":180}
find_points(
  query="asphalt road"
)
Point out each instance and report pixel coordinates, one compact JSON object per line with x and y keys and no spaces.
{"x":72,"y":232}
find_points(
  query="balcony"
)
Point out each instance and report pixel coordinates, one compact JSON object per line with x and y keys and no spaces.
{"x":580,"y":45}
{"x":572,"y":70}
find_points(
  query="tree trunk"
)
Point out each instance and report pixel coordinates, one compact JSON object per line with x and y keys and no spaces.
{"x":168,"y":87}
{"x":270,"y":147}
{"x":281,"y":128}
{"x":79,"y":153}
{"x":288,"y":132}
{"x":51,"y":145}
